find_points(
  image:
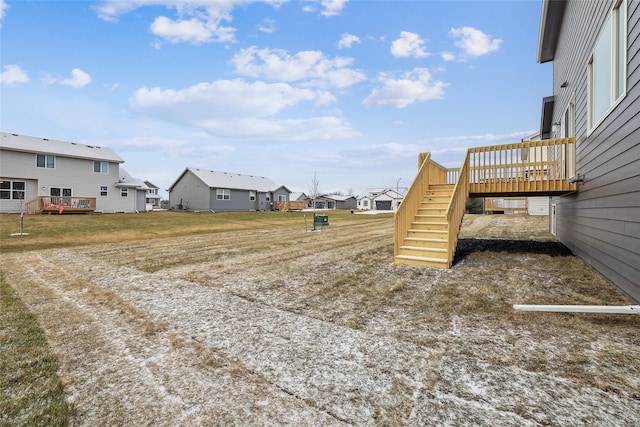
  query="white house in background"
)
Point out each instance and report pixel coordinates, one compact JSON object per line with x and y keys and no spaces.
{"x":538,"y":205}
{"x":134,"y":192}
{"x":207,"y":190}
{"x":153,"y":196}
{"x":380,"y":199}
{"x":64,"y":173}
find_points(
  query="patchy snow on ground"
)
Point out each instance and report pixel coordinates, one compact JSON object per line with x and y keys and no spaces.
{"x":284,"y":327}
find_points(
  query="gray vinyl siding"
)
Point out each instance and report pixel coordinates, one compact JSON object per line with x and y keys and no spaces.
{"x":191,"y":192}
{"x":238,"y":201}
{"x":68,"y":172}
{"x":601,"y":222}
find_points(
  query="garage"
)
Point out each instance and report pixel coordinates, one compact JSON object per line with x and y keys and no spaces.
{"x":383,"y":205}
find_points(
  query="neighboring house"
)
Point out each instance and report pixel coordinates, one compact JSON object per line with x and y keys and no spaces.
{"x":65,"y":173}
{"x":596,"y":98}
{"x":298,"y":197}
{"x":133,"y":191}
{"x":207,"y":190}
{"x":334,"y":201}
{"x":538,"y":205}
{"x":153,"y":196}
{"x":382,"y":199}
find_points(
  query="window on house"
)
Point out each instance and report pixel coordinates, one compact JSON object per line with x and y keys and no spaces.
{"x":282,"y":198}
{"x":268,"y":197}
{"x":57,"y":191}
{"x":223,"y":194}
{"x":124,"y":191}
{"x":12,"y":190}
{"x":365,"y":203}
{"x":45,"y":161}
{"x":100,"y":167}
{"x":104,"y":190}
{"x":252,"y":195}
{"x":607,"y":65}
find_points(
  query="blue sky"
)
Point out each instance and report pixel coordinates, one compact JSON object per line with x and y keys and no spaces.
{"x":349,"y":90}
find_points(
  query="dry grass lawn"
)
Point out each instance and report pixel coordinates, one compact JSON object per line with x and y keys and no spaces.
{"x":279,"y":326}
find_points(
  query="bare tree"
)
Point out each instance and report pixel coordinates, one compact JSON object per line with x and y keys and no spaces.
{"x":314,"y":192}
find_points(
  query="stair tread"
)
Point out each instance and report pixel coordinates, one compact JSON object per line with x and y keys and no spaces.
{"x":426,"y":239}
{"x":422,"y":248}
{"x":422,"y":258}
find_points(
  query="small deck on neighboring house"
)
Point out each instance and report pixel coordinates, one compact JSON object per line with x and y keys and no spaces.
{"x":289,"y":206}
{"x":428,"y":220}
{"x":60,"y":205}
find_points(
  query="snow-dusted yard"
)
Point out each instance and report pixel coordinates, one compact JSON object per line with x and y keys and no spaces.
{"x":285,"y":327}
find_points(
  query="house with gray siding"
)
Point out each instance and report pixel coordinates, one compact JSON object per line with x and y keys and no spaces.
{"x":32,"y":167}
{"x":595,"y":49}
{"x":333,"y":201}
{"x":207,"y":190}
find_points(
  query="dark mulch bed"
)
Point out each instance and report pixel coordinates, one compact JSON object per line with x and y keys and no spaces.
{"x":469,"y":246}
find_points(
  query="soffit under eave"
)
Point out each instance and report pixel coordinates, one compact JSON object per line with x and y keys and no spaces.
{"x":550,"y":23}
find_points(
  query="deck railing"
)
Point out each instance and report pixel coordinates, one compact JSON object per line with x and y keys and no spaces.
{"x":60,"y":204}
{"x":457,"y":206}
{"x":538,"y":166}
{"x":406,"y":211}
{"x":501,"y":204}
{"x":289,"y":206}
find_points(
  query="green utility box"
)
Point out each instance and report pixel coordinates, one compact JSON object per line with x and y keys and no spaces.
{"x":321,"y":220}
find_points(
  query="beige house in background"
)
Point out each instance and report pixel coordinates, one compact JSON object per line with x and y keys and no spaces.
{"x":68,"y":174}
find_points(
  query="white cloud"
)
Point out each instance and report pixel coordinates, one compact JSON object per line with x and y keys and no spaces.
{"x":196,"y":21}
{"x":193,"y":30}
{"x":77,"y":80}
{"x":474,"y":42}
{"x":267,"y":25}
{"x":332,"y":7}
{"x":470,"y":140}
{"x":414,"y":86}
{"x":448,"y":56}
{"x":310,"y":67}
{"x":408,"y":45}
{"x":392,"y":149}
{"x":3,"y":10}
{"x":347,"y":40}
{"x":237,"y":109}
{"x":13,"y":74}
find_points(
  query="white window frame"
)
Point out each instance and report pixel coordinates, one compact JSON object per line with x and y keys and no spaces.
{"x":223,"y":194}
{"x":616,"y":53}
{"x":104,"y":190}
{"x":103,"y":167}
{"x":49,"y":161}
{"x":252,"y":196}
{"x":13,"y":192}
{"x":282,"y":197}
{"x":124,"y":191}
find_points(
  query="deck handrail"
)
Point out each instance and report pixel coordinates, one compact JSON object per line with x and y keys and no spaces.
{"x":407,"y":209}
{"x":60,"y":203}
{"x":532,"y":166}
{"x":457,"y":206}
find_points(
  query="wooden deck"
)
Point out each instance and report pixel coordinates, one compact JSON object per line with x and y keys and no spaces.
{"x":429,"y":219}
{"x":288,"y":206}
{"x":60,"y":205}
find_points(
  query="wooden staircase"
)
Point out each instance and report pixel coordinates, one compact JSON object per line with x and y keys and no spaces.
{"x":428,"y":220}
{"x":427,"y":240}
